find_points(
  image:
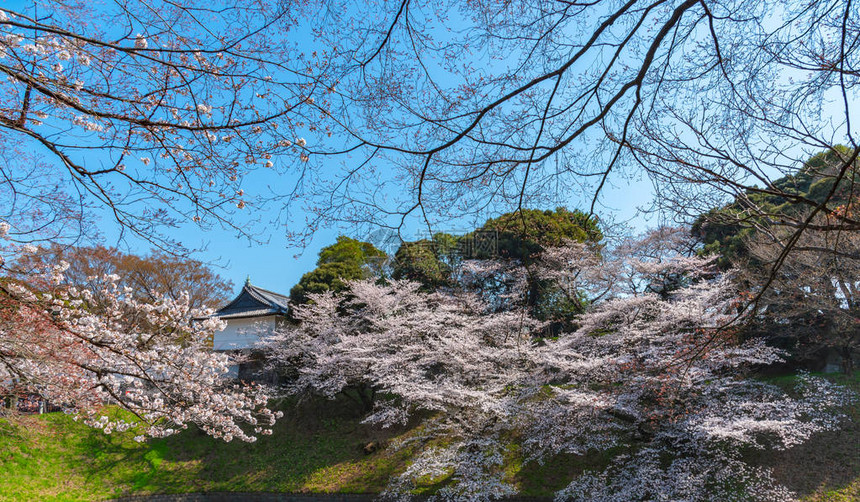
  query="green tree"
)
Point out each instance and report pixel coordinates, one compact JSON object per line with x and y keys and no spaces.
{"x":809,"y":296}
{"x":346,"y":260}
{"x":524,"y":234}
{"x":428,"y":261}
{"x":518,"y":238}
{"x":726,"y":230}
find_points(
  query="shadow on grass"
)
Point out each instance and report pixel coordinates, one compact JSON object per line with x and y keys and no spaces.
{"x":555,"y":473}
{"x":318,"y":446}
{"x":10,"y":428}
{"x":827,"y":466}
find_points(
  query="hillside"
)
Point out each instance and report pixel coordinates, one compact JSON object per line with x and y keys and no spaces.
{"x":319,"y":447}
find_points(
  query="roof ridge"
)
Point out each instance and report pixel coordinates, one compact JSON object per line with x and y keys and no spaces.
{"x":258,"y":288}
{"x":261,"y":295}
{"x":254,"y":299}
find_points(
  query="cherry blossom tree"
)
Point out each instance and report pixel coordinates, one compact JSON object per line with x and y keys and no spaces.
{"x":660,"y":376}
{"x":152,"y":359}
{"x":148,"y":113}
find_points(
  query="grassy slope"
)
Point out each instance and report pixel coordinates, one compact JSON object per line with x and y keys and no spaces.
{"x":826,"y":468}
{"x":318,"y":449}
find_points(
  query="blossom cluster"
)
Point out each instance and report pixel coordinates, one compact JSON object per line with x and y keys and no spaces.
{"x":82,"y":349}
{"x":179,"y":114}
{"x":654,"y":368}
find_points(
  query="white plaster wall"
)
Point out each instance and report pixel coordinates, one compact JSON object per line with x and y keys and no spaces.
{"x":243,"y":333}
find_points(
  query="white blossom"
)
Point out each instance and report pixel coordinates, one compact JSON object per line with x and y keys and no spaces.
{"x":84,"y":360}
{"x":653,"y":360}
{"x":88,"y":125}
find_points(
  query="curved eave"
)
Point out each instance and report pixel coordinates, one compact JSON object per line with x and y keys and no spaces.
{"x":246,"y":315}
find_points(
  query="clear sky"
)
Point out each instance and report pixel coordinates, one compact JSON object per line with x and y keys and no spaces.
{"x":277,"y":264}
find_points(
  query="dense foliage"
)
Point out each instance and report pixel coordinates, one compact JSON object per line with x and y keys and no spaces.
{"x":513,"y":240}
{"x":726,"y":230}
{"x":813,"y":288}
{"x":346,"y":260}
{"x":658,"y":373}
{"x":522,"y":235}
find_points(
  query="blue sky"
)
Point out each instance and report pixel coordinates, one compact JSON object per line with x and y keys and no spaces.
{"x":278,"y":266}
{"x":276,"y":263}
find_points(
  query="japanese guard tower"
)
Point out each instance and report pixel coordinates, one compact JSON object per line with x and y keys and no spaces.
{"x":250,"y":317}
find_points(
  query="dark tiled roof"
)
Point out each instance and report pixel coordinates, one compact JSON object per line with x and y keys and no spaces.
{"x":254,"y":302}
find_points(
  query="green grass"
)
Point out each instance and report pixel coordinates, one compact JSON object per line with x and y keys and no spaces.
{"x":318,"y":447}
{"x":52,"y":457}
{"x":826,"y":468}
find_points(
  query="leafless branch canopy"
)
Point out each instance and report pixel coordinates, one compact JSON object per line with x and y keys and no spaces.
{"x":469,"y":108}
{"x":428,"y":110}
{"x":153,"y":112}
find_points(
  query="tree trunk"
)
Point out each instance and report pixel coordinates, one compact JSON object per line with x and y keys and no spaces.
{"x":847,"y":360}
